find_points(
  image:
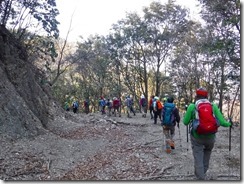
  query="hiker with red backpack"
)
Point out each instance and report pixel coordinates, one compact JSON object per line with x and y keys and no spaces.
{"x":205,"y":118}
{"x":170,"y":116}
{"x":157,"y":109}
{"x":86,"y":105}
{"x":150,"y":106}
{"x":116,"y":106}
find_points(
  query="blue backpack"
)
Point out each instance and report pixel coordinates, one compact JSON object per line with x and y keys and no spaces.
{"x":109,"y":104}
{"x":75,"y":105}
{"x":102,"y":102}
{"x":168,"y":117}
{"x":129,"y":102}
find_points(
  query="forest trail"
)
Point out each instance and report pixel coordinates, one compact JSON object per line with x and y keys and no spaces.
{"x":98,"y":147}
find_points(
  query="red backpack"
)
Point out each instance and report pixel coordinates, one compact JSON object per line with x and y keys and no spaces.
{"x":205,"y":122}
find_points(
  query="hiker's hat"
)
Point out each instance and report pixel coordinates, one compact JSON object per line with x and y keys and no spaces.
{"x":202,"y":92}
{"x":156,"y":98}
{"x":170,"y":99}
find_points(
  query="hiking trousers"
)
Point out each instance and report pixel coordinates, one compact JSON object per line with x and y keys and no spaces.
{"x":169,"y":132}
{"x":128,"y":110}
{"x":151,"y":111}
{"x":202,"y":149}
{"x":86,"y":109}
{"x":118,"y":111}
{"x":75,"y":109}
{"x":157,"y":114}
{"x":144,"y":110}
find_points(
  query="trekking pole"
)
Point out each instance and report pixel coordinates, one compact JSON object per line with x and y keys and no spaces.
{"x":187,"y":136}
{"x":230,"y":120}
{"x":163,"y":137}
{"x":179,"y":135}
{"x":230,"y":139}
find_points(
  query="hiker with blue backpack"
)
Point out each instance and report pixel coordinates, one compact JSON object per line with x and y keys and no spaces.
{"x":75,"y":106}
{"x":205,"y":118}
{"x":109,"y":104}
{"x":170,"y":116}
{"x":129,"y":106}
{"x":102,"y":105}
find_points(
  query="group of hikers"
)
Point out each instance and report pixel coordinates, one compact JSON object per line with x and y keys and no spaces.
{"x":75,"y":106}
{"x":113,"y":106}
{"x":203,"y":116}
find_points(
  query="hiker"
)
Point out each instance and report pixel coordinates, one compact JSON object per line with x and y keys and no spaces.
{"x":143,"y":105}
{"x":186,"y":106}
{"x":132,"y":107}
{"x":102,"y":105}
{"x":86,"y":106}
{"x":129,"y":106}
{"x":170,"y":116}
{"x":75,"y":106}
{"x":109,"y":104}
{"x":164,"y":100}
{"x":116,"y":106}
{"x":157,"y":109}
{"x":66,"y":106}
{"x":203,"y":137}
{"x":151,"y":106}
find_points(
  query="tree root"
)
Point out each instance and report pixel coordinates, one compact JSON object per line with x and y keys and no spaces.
{"x":157,"y":175}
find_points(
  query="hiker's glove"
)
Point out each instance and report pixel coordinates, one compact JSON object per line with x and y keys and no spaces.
{"x":231,"y":123}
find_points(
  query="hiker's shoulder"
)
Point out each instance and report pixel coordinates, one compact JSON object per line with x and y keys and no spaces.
{"x":191,"y":106}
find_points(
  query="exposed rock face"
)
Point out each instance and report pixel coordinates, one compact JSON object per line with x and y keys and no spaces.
{"x":24,"y":100}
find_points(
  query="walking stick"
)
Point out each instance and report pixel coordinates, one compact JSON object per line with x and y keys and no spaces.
{"x":230,"y":120}
{"x":163,"y":139}
{"x":179,"y":135}
{"x":230,"y":139}
{"x":187,"y":136}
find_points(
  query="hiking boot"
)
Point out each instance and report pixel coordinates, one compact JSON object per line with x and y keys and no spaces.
{"x":168,"y":147}
{"x":172,"y":145}
{"x":168,"y":150}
